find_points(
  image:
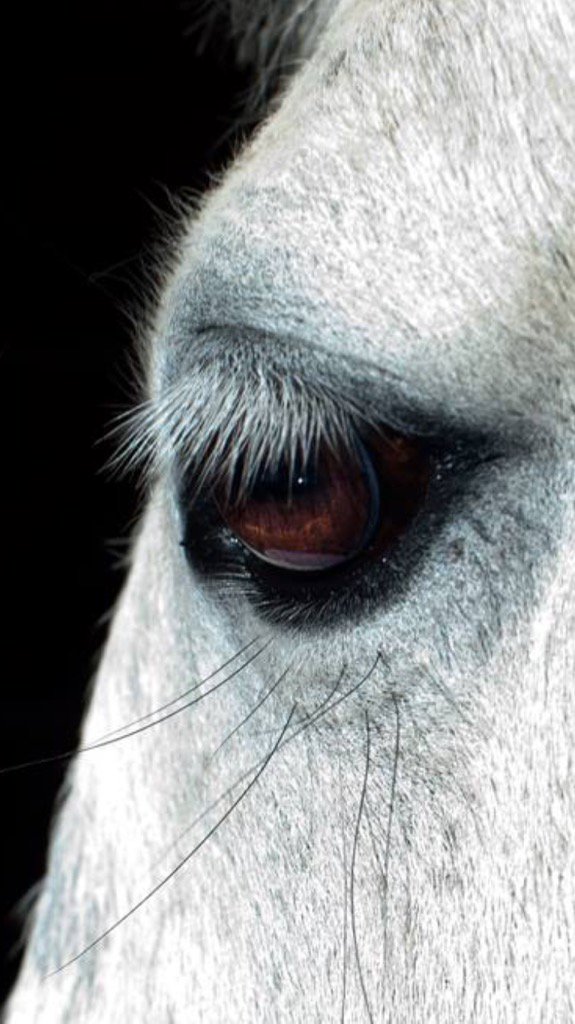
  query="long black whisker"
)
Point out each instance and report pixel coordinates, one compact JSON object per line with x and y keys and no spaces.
{"x":309,"y":718}
{"x":181,"y":696}
{"x":314,"y":718}
{"x":97,"y":745}
{"x":249,"y":771}
{"x":203,"y":814}
{"x":345,"y":899}
{"x":324,"y":702}
{"x":374,"y":841}
{"x":348,"y":693}
{"x":352,"y":871}
{"x":376,"y":851}
{"x":184,"y":860}
{"x":387,"y":854}
{"x":303,"y":725}
{"x":268,"y":693}
{"x":244,"y":775}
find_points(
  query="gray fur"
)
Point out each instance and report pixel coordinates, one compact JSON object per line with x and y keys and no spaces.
{"x":398,"y":236}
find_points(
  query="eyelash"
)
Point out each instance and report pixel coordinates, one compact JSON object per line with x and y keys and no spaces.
{"x":354,"y":590}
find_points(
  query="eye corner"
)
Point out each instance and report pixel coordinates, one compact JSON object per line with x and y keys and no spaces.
{"x":415,"y":484}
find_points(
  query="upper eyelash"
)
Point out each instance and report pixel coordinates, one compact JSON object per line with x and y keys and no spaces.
{"x":319,"y":603}
{"x":242,"y":406}
{"x":256,"y":421}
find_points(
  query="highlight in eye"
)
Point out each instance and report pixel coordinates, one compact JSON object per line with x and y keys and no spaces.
{"x":317,"y":516}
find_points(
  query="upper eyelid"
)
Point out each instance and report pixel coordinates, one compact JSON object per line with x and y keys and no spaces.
{"x":237,"y":392}
{"x":237,"y":386}
{"x":374,"y":390}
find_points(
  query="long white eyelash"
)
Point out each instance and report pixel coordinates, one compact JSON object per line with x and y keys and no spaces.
{"x":229,"y":422}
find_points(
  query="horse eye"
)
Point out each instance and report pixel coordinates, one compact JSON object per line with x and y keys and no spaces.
{"x":320,"y":516}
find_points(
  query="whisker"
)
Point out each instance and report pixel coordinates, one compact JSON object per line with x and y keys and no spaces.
{"x":303,"y":724}
{"x":324,"y":707}
{"x":249,"y":771}
{"x":251,"y":713}
{"x":313,"y":719}
{"x":324,"y":702}
{"x":352,"y":871}
{"x":345,"y":899}
{"x":99,"y":744}
{"x":203,"y":814}
{"x":374,"y":843}
{"x":244,"y":775}
{"x":379,"y":862}
{"x":181,"y":696}
{"x":387,"y":853}
{"x":183,"y":861}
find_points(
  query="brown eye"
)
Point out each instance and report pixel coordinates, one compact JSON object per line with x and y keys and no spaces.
{"x":323,"y":515}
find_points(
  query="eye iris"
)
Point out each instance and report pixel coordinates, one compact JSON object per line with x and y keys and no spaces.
{"x":323,"y":518}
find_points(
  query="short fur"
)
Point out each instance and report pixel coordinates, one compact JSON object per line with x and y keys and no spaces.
{"x":398,"y":237}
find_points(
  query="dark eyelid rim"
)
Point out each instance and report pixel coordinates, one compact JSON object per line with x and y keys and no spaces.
{"x":381,"y":395}
{"x":459,"y":449}
{"x":316,"y":603}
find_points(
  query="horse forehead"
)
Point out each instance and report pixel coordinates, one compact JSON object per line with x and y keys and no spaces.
{"x":418,"y":171}
{"x":434,"y":110}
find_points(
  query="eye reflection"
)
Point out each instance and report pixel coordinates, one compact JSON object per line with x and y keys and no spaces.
{"x":324,"y":515}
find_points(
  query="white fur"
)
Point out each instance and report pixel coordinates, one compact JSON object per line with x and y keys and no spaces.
{"x":408,"y":204}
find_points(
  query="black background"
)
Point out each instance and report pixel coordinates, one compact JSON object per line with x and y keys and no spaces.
{"x":107,"y":110}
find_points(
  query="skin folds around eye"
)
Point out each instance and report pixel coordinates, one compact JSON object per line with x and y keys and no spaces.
{"x":326,"y":515}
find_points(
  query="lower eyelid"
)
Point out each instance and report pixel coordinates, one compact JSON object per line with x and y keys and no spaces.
{"x":345,"y":593}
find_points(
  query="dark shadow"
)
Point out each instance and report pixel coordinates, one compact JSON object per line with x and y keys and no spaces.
{"x":107,"y":112}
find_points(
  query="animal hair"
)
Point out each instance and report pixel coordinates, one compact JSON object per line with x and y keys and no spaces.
{"x":270,"y":37}
{"x":437,"y":700}
{"x":235,"y":414}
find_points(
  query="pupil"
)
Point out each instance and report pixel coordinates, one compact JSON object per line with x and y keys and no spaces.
{"x":282,"y":486}
{"x":310,"y":519}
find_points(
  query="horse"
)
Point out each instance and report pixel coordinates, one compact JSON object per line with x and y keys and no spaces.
{"x":326,"y":773}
